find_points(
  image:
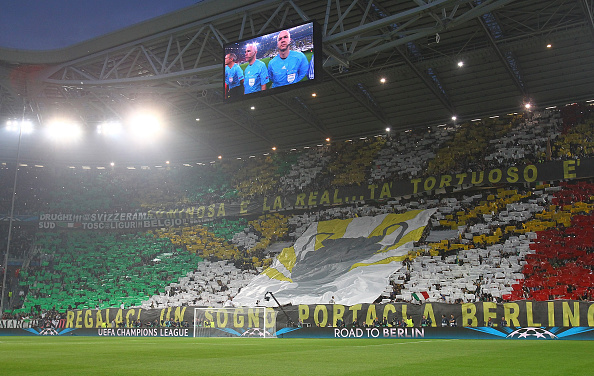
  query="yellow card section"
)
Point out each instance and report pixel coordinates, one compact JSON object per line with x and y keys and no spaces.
{"x":392,"y":219}
{"x":275,"y":274}
{"x":288,"y":258}
{"x":387,"y":260}
{"x":412,"y":236}
{"x":337,"y":227}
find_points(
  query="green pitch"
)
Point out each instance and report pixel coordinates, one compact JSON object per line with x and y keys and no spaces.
{"x":285,"y":357}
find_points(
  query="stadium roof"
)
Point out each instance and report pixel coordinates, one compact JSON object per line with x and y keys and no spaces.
{"x":174,"y":63}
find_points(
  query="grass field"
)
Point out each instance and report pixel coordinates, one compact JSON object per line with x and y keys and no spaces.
{"x":285,"y":357}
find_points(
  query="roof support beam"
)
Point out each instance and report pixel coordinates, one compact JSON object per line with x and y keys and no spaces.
{"x":247,"y":121}
{"x":374,"y":110}
{"x":517,"y":81}
{"x":296,"y":106}
{"x":334,"y":38}
{"x":588,"y":8}
{"x":485,"y":7}
{"x":441,"y":96}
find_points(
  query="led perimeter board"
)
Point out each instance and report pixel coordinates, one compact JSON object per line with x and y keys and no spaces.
{"x":274,"y":62}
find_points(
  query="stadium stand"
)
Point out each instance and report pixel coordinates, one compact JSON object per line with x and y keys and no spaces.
{"x":484,"y":242}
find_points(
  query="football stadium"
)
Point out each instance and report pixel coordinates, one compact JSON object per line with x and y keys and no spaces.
{"x":303,"y":187}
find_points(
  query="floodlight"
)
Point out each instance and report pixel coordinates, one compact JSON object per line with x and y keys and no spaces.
{"x":460,"y":64}
{"x":26,"y":126}
{"x":454,"y":118}
{"x":388,"y":129}
{"x":145,"y":126}
{"x":109,"y":128}
{"x":23,"y":126}
{"x":63,"y":130}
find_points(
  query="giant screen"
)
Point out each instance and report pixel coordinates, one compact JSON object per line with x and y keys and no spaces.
{"x":272,"y":62}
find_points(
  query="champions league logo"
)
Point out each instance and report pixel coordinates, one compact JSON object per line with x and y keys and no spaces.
{"x":248,"y":333}
{"x":531,"y":333}
{"x":48,"y":331}
{"x":256,"y":332}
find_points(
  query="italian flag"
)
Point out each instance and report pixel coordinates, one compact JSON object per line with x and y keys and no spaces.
{"x":421,"y":295}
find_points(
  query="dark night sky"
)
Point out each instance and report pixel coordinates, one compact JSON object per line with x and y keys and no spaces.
{"x":52,"y":24}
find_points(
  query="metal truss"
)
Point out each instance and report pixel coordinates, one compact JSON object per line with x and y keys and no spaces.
{"x":424,"y":19}
{"x":297,"y":106}
{"x":182,"y":66}
{"x":588,"y":9}
{"x":492,"y":30}
{"x":191,"y":54}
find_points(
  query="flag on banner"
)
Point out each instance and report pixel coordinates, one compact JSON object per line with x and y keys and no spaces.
{"x":350,"y":260}
{"x":422,"y":295}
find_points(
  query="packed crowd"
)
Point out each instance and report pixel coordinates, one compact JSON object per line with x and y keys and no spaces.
{"x":482,"y":244}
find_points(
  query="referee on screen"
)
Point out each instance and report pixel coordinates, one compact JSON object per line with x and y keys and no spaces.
{"x":255,"y":74}
{"x":288,"y":67}
{"x":233,"y":77}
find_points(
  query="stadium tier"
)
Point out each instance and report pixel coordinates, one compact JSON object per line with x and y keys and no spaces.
{"x":512,"y":220}
{"x":256,"y":167}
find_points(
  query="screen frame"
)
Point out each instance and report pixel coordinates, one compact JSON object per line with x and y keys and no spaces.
{"x":317,"y":57}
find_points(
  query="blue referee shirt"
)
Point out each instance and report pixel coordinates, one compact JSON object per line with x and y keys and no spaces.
{"x":233,"y":76}
{"x":255,"y":76}
{"x":288,"y":71}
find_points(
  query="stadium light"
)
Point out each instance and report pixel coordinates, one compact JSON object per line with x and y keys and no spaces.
{"x":383,"y":80}
{"x":16,"y":126}
{"x":110,"y":128}
{"x":64,"y":130}
{"x":460,"y":64}
{"x":144,"y":126}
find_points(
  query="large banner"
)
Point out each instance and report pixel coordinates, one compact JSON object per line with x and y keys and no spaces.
{"x":507,"y":333}
{"x":558,"y":313}
{"x":543,"y":172}
{"x":346,"y":261}
{"x":526,"y":333}
{"x":113,"y":221}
